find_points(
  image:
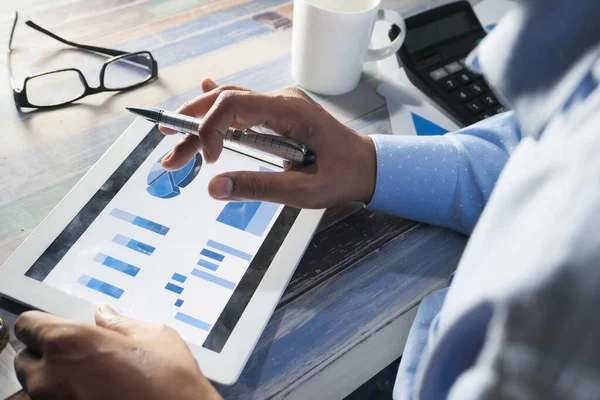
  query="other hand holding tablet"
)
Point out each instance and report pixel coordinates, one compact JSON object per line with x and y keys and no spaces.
{"x":119,"y":358}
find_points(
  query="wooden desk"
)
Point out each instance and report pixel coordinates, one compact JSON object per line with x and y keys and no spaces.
{"x":347,"y":311}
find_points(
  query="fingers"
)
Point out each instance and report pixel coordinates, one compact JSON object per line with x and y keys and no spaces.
{"x":32,"y":327}
{"x":208,"y":84}
{"x":183,"y":152}
{"x":27,"y":367}
{"x":288,"y":112}
{"x":107,"y":317}
{"x":293,"y":187}
{"x":284,"y":115}
{"x":200,"y":105}
{"x":243,"y":107}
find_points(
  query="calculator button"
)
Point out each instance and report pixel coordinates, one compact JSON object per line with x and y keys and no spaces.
{"x":453,"y":67}
{"x":477,"y":88}
{"x":500,"y":110}
{"x":489,"y":100}
{"x":464,"y":77}
{"x":475,"y":107}
{"x":462,"y":95}
{"x":463,"y":61}
{"x":450,"y":84}
{"x":484,"y":116}
{"x":438,"y":74}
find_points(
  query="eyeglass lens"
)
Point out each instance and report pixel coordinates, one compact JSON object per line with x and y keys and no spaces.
{"x":54,"y":88}
{"x":128,"y":71}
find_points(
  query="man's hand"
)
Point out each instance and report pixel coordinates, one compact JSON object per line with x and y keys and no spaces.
{"x":345,"y":169}
{"x":119,"y":359}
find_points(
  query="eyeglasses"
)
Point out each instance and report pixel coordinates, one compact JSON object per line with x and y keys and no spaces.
{"x":122,"y":71}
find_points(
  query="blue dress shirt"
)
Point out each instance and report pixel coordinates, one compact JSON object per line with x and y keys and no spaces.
{"x":474,"y":340}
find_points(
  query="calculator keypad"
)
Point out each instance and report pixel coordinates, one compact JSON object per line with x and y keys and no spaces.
{"x":475,"y":106}
{"x":462,"y":95}
{"x":465,"y":77}
{"x":450,"y":84}
{"x":477,"y":88}
{"x":453,"y":67}
{"x":438,"y":74}
{"x":467,"y":89}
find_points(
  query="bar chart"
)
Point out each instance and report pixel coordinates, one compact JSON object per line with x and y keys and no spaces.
{"x":253,"y":217}
{"x":116,"y":264}
{"x":139,"y":221}
{"x":182,"y":262}
{"x":177,"y":288}
{"x":100,"y":286}
{"x":210,"y":259}
{"x":134,"y":244}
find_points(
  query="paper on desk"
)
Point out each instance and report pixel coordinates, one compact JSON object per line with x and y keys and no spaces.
{"x":410,"y":114}
{"x":9,"y":384}
{"x":489,"y":12}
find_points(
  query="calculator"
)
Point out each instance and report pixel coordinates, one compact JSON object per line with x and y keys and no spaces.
{"x":433,"y":55}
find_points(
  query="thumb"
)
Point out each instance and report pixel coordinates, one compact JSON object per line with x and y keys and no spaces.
{"x":275,"y":187}
{"x":107,"y":317}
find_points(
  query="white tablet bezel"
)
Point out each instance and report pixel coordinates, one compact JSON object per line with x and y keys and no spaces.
{"x":224,"y":367}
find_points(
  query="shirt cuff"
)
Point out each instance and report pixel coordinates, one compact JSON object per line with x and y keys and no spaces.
{"x":416,"y":177}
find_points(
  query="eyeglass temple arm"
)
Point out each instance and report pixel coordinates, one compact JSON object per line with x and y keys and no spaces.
{"x":102,"y":50}
{"x":12,"y":33}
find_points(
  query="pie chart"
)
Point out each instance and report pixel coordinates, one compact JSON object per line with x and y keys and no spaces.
{"x":166,"y":185}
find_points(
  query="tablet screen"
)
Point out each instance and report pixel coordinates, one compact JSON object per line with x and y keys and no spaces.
{"x":154,"y":245}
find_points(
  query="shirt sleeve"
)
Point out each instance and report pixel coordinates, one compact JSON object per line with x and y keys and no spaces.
{"x":443,"y":180}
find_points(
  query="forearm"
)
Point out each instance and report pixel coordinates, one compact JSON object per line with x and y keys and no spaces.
{"x":443,"y":180}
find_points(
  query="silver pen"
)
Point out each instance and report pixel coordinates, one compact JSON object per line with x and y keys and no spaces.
{"x":284,"y":148}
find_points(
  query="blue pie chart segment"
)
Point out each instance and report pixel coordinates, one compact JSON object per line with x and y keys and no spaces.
{"x":166,"y":185}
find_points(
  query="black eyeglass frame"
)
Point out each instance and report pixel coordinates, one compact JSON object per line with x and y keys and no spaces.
{"x":20,"y":95}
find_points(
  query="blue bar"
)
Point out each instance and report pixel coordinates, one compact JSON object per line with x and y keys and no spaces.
{"x":115,"y":264}
{"x":139,"y":221}
{"x":134,"y":244}
{"x":208,"y":264}
{"x":229,"y":250}
{"x":178,"y":277}
{"x":192,"y":321}
{"x":238,"y":214}
{"x":214,"y":279}
{"x":100,"y":286}
{"x":211,"y":254}
{"x":262,"y":219}
{"x":174,"y":288}
{"x":178,"y":303}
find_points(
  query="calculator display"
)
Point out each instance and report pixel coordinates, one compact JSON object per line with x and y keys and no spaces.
{"x":437,"y":31}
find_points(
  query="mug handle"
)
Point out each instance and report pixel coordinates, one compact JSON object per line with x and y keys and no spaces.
{"x":384,"y":52}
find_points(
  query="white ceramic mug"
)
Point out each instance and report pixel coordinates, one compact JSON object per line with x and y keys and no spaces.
{"x":330,"y":42}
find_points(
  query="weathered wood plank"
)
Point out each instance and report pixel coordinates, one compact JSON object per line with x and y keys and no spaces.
{"x":311,"y":334}
{"x":341,"y":245}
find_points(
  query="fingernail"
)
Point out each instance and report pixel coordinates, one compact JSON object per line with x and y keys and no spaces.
{"x":222,"y":188}
{"x":210,"y":83}
{"x":107,"y":311}
{"x":168,"y":156}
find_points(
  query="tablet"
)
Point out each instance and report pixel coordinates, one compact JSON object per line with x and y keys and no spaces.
{"x":154,"y":245}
